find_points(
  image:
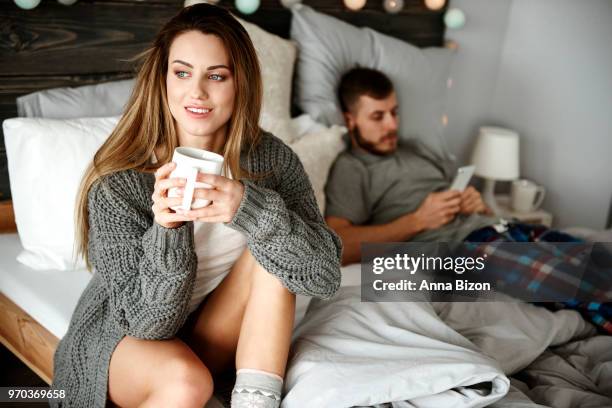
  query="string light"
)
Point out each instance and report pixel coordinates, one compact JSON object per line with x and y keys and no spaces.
{"x":393,"y":6}
{"x":27,"y":4}
{"x":435,"y":4}
{"x":247,"y":6}
{"x":454,"y":18}
{"x":354,"y":4}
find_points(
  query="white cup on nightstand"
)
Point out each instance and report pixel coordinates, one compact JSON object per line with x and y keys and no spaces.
{"x":527,"y":196}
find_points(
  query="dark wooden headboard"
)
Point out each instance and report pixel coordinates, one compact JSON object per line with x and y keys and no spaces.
{"x":55,"y":45}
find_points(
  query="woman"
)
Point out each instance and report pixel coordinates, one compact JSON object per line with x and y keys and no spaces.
{"x":141,"y":334}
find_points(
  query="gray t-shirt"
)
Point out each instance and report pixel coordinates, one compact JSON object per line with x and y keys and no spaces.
{"x":368,"y":189}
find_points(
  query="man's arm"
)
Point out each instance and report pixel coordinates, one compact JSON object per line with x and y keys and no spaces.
{"x":435,"y":211}
{"x":400,"y":229}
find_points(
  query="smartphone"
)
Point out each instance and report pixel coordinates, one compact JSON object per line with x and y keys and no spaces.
{"x":463,"y":177}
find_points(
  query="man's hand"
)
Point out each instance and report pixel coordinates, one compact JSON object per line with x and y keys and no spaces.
{"x":471,"y":202}
{"x":438,"y":209}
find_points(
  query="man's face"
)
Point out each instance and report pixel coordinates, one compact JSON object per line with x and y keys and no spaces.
{"x":373,"y":124}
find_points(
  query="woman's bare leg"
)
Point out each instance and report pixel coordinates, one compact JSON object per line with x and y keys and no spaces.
{"x":214,"y":337}
{"x":250,"y":311}
{"x":164,"y":373}
{"x":265,"y":334}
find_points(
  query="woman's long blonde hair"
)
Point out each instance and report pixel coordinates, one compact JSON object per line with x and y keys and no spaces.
{"x":147,"y":123}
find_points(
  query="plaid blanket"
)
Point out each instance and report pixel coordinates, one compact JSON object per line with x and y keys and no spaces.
{"x":547,"y":269}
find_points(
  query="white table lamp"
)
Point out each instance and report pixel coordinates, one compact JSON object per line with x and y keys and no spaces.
{"x":496,"y":157}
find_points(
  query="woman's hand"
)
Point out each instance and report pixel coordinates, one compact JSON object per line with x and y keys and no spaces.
{"x":472,"y":203}
{"x":225,"y":196}
{"x":164,"y":215}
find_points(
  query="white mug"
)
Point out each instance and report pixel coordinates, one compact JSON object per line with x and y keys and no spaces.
{"x":526,"y":195}
{"x":189,"y":162}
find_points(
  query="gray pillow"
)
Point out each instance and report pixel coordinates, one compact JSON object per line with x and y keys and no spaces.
{"x":328,"y":47}
{"x":100,"y":100}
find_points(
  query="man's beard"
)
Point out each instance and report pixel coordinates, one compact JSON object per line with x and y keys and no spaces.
{"x":369,"y":146}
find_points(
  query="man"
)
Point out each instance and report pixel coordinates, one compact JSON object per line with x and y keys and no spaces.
{"x":379,"y":191}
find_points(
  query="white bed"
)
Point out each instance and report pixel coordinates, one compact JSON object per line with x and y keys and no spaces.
{"x":50,"y":296}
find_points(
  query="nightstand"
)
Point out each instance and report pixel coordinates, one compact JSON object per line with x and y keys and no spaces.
{"x":539,"y":216}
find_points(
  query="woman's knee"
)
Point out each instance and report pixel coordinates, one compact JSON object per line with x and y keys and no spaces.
{"x":156,"y":373}
{"x":187,"y":379}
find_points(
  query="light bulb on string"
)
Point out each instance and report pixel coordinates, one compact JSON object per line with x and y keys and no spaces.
{"x":435,"y":4}
{"x":354,"y":4}
{"x":393,"y":6}
{"x":27,"y":4}
{"x":247,"y":6}
{"x":454,"y":18}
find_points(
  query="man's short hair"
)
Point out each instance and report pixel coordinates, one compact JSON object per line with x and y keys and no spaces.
{"x":362,"y":81}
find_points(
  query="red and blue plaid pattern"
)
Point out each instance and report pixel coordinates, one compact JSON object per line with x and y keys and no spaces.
{"x":548,"y":271}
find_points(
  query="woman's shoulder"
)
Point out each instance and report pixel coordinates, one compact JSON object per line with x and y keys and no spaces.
{"x":270,"y":142}
{"x":272,"y":152}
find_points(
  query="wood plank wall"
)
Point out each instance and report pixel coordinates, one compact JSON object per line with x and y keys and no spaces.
{"x":89,"y":42}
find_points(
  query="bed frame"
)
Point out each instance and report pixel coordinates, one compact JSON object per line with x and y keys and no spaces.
{"x":19,"y":332}
{"x":89,"y":42}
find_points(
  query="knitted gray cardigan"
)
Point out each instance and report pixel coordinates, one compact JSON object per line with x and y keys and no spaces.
{"x":144,"y":273}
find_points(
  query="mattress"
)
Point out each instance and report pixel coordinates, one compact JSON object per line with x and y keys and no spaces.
{"x":50,"y":296}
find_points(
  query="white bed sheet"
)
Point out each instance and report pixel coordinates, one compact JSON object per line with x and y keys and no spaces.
{"x":50,"y":296}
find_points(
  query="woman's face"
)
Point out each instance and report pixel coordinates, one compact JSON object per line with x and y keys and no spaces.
{"x":200,"y":88}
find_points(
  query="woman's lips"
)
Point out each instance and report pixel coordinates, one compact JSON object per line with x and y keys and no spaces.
{"x":198,"y":113}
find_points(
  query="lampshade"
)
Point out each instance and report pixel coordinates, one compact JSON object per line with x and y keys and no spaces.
{"x":496,"y":155}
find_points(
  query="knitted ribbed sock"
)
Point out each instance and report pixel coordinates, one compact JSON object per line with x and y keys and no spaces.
{"x":256,"y":389}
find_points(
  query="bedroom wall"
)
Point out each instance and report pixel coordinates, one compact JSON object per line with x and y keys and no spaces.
{"x":474,"y":70}
{"x":541,"y":67}
{"x":89,"y":42}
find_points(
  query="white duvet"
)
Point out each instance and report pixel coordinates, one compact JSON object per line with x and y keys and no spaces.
{"x":351,"y":353}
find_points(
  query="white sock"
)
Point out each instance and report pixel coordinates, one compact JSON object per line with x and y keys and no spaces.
{"x":256,"y":388}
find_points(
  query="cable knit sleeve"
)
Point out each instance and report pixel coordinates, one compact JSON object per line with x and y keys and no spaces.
{"x":148,"y":269}
{"x":286,"y":232}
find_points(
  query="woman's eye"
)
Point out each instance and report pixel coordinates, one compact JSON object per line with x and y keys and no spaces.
{"x":216,"y":77}
{"x":181,"y":74}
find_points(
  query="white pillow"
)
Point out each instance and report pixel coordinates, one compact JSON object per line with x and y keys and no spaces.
{"x":329,"y":47}
{"x":317,"y":147}
{"x":276,"y":56}
{"x":46,"y":161}
{"x":87,"y":101}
